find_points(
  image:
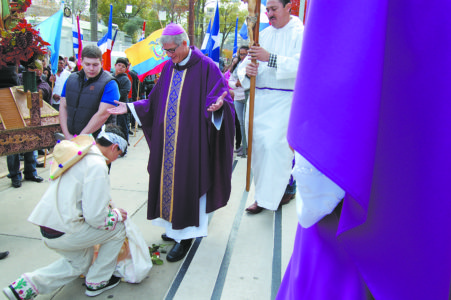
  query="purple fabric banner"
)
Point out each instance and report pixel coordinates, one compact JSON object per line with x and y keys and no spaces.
{"x":372,"y":111}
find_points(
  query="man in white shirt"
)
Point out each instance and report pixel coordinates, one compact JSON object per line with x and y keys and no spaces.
{"x":59,"y":79}
{"x":75,"y":214}
{"x":275,"y":71}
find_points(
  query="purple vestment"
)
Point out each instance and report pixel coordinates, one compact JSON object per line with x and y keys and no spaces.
{"x":191,"y":155}
{"x":371,"y":111}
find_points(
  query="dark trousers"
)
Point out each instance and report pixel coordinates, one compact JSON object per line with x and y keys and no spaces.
{"x":14,"y":165}
{"x":237,"y":132}
{"x":122,"y":121}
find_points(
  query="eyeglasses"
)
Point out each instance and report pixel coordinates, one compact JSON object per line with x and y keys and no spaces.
{"x":171,"y":50}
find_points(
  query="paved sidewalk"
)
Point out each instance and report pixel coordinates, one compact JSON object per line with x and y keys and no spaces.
{"x":243,"y":257}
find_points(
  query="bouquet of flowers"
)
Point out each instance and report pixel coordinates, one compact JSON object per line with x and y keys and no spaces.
{"x":19,"y":42}
{"x":20,"y":6}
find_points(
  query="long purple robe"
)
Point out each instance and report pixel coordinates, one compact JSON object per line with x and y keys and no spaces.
{"x":189,"y":157}
{"x":371,"y":110}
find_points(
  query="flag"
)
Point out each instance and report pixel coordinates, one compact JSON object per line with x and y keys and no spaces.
{"x":77,"y":39}
{"x":203,"y":48}
{"x":147,"y":57}
{"x":235,"y":43}
{"x":114,"y":39}
{"x":105,"y":43}
{"x":143,"y":34}
{"x":264,"y":21}
{"x":50,"y":31}
{"x":213,"y":41}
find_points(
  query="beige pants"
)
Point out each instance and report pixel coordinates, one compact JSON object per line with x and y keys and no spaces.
{"x":77,"y":252}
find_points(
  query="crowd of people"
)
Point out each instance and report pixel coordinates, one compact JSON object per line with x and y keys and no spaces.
{"x":52,"y":86}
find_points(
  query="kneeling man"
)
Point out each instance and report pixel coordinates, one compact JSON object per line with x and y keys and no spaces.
{"x":75,"y":214}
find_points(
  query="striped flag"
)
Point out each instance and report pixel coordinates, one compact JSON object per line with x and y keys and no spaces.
{"x":147,"y":57}
{"x":105,"y":43}
{"x":143,"y":34}
{"x":77,"y":39}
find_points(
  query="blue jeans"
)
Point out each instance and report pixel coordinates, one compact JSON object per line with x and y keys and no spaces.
{"x":14,"y":165}
{"x":240,"y":110}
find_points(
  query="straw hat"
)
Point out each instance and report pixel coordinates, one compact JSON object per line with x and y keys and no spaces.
{"x":69,"y":152}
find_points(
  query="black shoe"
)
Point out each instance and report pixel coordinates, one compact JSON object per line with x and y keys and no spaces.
{"x":254,"y":208}
{"x":179,"y":250}
{"x":287,"y":198}
{"x":34,"y":178}
{"x":130,"y":132}
{"x":17,"y":183}
{"x":4,"y":254}
{"x":39,"y":165}
{"x":111,"y":284}
{"x":59,"y":136}
{"x":165,"y":238}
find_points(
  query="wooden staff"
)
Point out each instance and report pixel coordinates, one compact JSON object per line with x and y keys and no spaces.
{"x":254,"y":41}
{"x":138,"y":141}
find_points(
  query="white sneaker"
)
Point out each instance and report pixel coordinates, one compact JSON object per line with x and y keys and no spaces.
{"x":9,"y":294}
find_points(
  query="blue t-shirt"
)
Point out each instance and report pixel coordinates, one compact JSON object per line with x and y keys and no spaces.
{"x":110,"y":93}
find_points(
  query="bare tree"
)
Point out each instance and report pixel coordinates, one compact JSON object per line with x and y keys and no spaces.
{"x":191,"y":22}
{"x":228,"y":14}
{"x":93,"y":17}
{"x":199,"y":22}
{"x":78,"y":7}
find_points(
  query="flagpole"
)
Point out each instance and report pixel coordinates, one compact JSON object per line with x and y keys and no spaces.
{"x":254,"y":40}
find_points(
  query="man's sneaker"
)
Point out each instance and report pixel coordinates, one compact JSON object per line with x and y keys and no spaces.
{"x":111,"y":284}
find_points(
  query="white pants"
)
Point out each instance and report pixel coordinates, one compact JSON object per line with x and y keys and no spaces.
{"x":77,"y":252}
{"x":191,"y":231}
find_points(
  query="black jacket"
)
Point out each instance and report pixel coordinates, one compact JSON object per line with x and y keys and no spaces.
{"x":124,"y":86}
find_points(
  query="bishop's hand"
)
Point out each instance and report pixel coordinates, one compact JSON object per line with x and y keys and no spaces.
{"x":218,"y":104}
{"x":120,"y":109}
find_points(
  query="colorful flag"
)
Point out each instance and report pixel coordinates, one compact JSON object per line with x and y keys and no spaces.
{"x":203,"y":48}
{"x":213,"y":41}
{"x":105,"y":43}
{"x":147,"y":57}
{"x":143,"y":34}
{"x":235,"y":43}
{"x":77,"y":39}
{"x":264,"y":21}
{"x":50,"y":31}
